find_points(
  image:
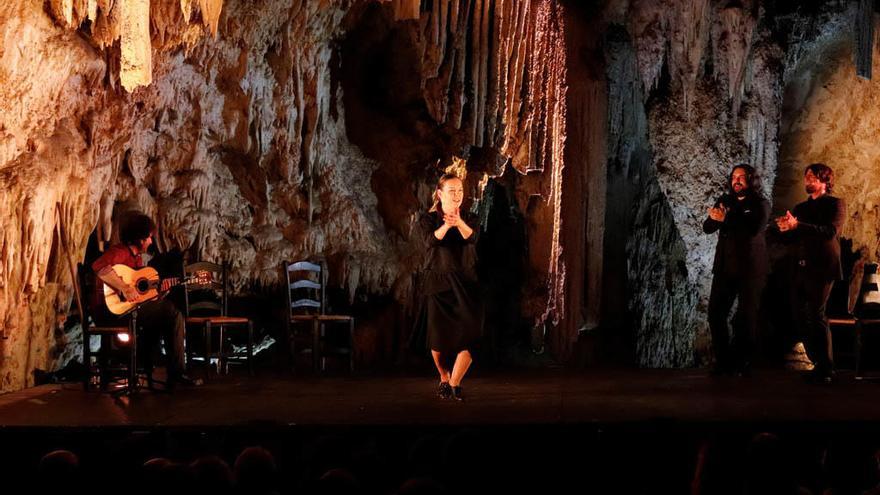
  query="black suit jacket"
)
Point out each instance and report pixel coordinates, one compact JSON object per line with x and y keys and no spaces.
{"x":742,"y":248}
{"x":816,"y":243}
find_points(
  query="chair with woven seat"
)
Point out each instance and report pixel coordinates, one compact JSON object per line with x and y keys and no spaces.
{"x":305,"y":290}
{"x":844,"y":318}
{"x":102,"y":365}
{"x":868,"y":311}
{"x":206,"y":304}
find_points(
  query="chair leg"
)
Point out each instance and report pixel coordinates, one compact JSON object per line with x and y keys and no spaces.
{"x":291,"y":343}
{"x":250,"y":347}
{"x":187,"y":351}
{"x":222,"y":367}
{"x":206,"y":331}
{"x":351,"y":345}
{"x":151,"y":384}
{"x":103,"y":375}
{"x":858,"y":350}
{"x":209,"y":351}
{"x":132,"y":366}
{"x":321,"y":342}
{"x":316,"y":345}
{"x":87,"y":360}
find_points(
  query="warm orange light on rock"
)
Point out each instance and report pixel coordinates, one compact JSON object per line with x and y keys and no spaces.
{"x":130,"y":23}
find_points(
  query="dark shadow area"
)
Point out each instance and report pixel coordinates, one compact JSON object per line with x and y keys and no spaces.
{"x":613,"y":459}
{"x":777,"y":335}
{"x":502,"y":262}
{"x":385,"y":113}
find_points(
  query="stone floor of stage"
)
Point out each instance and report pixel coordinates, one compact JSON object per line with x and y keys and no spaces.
{"x":493,"y":398}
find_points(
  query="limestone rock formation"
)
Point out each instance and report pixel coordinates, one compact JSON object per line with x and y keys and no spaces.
{"x":593,"y":135}
{"x":224,"y":121}
{"x":833,"y":120}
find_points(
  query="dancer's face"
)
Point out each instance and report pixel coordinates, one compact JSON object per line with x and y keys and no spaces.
{"x":451,"y":194}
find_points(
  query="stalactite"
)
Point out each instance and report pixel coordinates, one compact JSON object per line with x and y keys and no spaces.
{"x":211,"y":10}
{"x":649,"y":25}
{"x":864,"y":39}
{"x":186,"y":9}
{"x":497,"y":70}
{"x":137,"y":61}
{"x":732,"y":37}
{"x":493,"y":43}
{"x":690,"y":30}
{"x":130,"y":22}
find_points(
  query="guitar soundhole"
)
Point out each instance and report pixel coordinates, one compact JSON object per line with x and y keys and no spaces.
{"x":142,"y":285}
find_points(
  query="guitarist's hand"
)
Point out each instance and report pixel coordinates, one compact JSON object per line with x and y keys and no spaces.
{"x":109,"y":277}
{"x":131,"y":295}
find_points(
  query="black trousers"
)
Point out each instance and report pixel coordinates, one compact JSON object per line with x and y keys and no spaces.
{"x":809,"y":298}
{"x":735,"y":350}
{"x":158,"y":318}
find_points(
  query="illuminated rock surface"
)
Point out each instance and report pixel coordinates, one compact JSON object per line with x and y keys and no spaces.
{"x":256,"y":132}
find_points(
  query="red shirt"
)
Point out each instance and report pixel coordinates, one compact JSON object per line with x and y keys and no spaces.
{"x":118,"y":254}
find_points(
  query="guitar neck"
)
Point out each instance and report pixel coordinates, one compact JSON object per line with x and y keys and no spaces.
{"x":167,"y":283}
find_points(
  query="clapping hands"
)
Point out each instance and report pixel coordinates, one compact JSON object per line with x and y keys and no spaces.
{"x":787,"y":222}
{"x":452,"y":219}
{"x":718,"y":213}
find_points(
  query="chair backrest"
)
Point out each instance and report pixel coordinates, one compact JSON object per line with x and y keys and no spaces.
{"x":305,"y":287}
{"x":84,"y":291}
{"x":868,"y":304}
{"x":208,"y":297}
{"x":93,"y":311}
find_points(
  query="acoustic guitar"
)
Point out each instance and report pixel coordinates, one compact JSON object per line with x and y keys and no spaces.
{"x":147,"y":283}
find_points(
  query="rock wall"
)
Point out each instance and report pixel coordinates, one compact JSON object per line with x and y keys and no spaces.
{"x":699,"y":90}
{"x":256,"y":132}
{"x":225,"y":122}
{"x":232,"y":147}
{"x":646,"y":286}
{"x":833,"y":120}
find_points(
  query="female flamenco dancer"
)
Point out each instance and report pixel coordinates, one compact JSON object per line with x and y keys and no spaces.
{"x":450,"y":317}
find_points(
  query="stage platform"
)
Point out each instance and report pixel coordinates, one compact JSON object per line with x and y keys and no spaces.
{"x":532,"y":431}
{"x":547,"y":397}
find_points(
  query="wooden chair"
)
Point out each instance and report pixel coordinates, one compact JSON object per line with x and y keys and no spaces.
{"x":105,"y":368}
{"x":843,"y":319}
{"x":209,"y":312}
{"x":305,"y":289}
{"x":868,"y":311}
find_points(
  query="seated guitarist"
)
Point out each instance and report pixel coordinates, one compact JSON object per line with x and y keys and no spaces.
{"x":156,"y":317}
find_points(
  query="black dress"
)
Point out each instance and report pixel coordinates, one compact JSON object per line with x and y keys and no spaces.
{"x":450,"y":313}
